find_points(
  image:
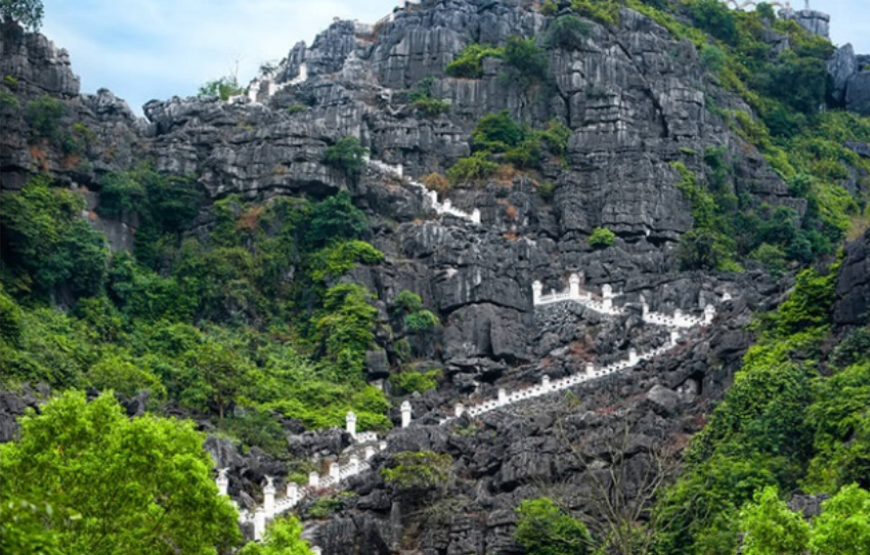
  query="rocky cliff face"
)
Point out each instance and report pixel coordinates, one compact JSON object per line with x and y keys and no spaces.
{"x":635,"y":100}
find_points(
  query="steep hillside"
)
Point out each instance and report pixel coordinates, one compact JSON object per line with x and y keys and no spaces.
{"x":380,"y":221}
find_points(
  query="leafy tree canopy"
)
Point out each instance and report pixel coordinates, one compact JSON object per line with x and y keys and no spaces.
{"x":100,"y":483}
{"x":27,"y":12}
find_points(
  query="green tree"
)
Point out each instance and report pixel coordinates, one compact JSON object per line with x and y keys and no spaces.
{"x":771,"y":528}
{"x":224,"y":88}
{"x":336,"y":218}
{"x":346,"y":154}
{"x":545,"y":529}
{"x":601,"y":238}
{"x":223,"y":372}
{"x":103,"y":484}
{"x":283,"y":537}
{"x":843,"y":528}
{"x":347,"y":326}
{"x":47,"y":244}
{"x":27,"y":12}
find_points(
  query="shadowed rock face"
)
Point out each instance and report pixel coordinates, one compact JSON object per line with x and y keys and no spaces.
{"x":853,"y":286}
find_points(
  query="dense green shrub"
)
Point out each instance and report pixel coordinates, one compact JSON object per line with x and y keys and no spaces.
{"x":469,"y":62}
{"x":346,"y":326}
{"x":408,"y":382}
{"x":47,"y":244}
{"x":568,"y":32}
{"x":601,"y":238}
{"x":715,"y":18}
{"x":549,"y":8}
{"x":283,"y":537}
{"x":335,"y":218}
{"x":407,"y":301}
{"x":497,"y":132}
{"x":419,"y":471}
{"x":527,"y":58}
{"x":604,"y":11}
{"x":472,"y":168}
{"x":423,"y":101}
{"x":223,"y":88}
{"x":545,"y":529}
{"x":44,"y":117}
{"x":421,"y":321}
{"x":347,"y":154}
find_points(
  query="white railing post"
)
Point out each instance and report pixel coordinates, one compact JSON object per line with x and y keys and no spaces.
{"x":458,"y":410}
{"x":475,"y":216}
{"x":370,"y":452}
{"x":644,"y":309}
{"x":223,"y":482}
{"x":292,"y":493}
{"x":675,"y":335}
{"x":574,"y":286}
{"x":353,"y":466}
{"x":607,"y":291}
{"x":269,"y":496}
{"x":335,"y":471}
{"x":590,"y":369}
{"x":313,"y":479}
{"x":259,"y":523}
{"x":537,"y":290}
{"x":350,"y":424}
{"x":502,"y":396}
{"x":632,"y":357}
{"x":406,"y":413}
{"x":545,"y":383}
{"x":709,"y":314}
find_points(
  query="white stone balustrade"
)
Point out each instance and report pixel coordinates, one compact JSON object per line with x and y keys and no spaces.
{"x":338,"y":473}
{"x":431,"y":196}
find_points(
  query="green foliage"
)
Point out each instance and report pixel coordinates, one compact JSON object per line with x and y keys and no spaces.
{"x":341,"y":257}
{"x":408,"y":302}
{"x":472,"y":168}
{"x":702,"y":249}
{"x":841,"y":426}
{"x":113,"y":484}
{"x":424,"y":103}
{"x":568,"y":32}
{"x":283,"y":537}
{"x":27,"y":12}
{"x":549,"y":8}
{"x":405,"y":383}
{"x":770,"y":527}
{"x":781,"y":425}
{"x":771,"y":257}
{"x":346,"y":327}
{"x":528,"y":59}
{"x":347,"y":154}
{"x":545,"y":529}
{"x":469,"y":62}
{"x":44,"y":117}
{"x":419,"y":472}
{"x":603,"y":11}
{"x":295,"y":109}
{"x":497,"y":132}
{"x":47,"y":244}
{"x":601,"y":238}
{"x":421,"y":321}
{"x":223,"y":88}
{"x":713,"y":58}
{"x":336,"y":218}
{"x":843,"y":528}
{"x":715,"y":18}
{"x":323,"y":507}
{"x":120,"y":193}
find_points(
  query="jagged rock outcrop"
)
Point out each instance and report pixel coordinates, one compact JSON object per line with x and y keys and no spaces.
{"x":850,"y":80}
{"x":853,"y":285}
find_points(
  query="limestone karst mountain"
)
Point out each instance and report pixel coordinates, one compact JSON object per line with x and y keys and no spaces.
{"x":538,"y":239}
